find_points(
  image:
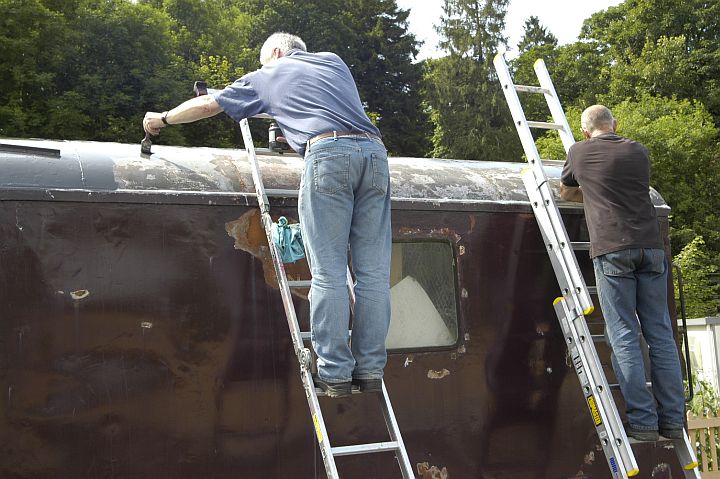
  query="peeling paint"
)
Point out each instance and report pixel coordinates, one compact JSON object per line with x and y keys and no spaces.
{"x":79,"y":294}
{"x":427,"y":471}
{"x":249,"y":236}
{"x":661,"y":471}
{"x":434,"y":374}
{"x":408,"y":361}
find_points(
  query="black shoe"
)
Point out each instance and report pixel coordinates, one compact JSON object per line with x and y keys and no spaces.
{"x":641,"y":434}
{"x":672,"y":433}
{"x":333,"y":390}
{"x":368,"y":385}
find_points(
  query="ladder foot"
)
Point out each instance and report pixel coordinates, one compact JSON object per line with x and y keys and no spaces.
{"x":634,"y":472}
{"x":691,"y":466}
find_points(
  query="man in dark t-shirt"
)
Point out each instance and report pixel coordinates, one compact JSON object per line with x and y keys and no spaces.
{"x":611,"y":175}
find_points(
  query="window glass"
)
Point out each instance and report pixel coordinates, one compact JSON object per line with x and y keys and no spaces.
{"x":422,"y":280}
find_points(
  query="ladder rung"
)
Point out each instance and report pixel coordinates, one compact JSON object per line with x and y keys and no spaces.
{"x":305,"y":335}
{"x":616,"y":386}
{"x":543,"y":125}
{"x":592,"y":289}
{"x":598,"y":338}
{"x":581,"y":245}
{"x":365,"y":448}
{"x":281,"y":192}
{"x":302,"y":283}
{"x":531,"y":89}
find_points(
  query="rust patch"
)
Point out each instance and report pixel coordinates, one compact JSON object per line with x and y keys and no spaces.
{"x":249,"y":236}
{"x":433,"y":374}
{"x":431,"y":472}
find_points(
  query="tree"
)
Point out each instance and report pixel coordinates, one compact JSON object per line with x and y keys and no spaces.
{"x":633,"y":30}
{"x":535,"y":35}
{"x":388,"y":80}
{"x":537,"y":43}
{"x":467,"y":108}
{"x":702,"y":296}
{"x":31,"y":53}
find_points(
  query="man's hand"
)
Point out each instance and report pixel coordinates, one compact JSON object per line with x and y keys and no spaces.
{"x":152,"y":123}
{"x":571,"y":193}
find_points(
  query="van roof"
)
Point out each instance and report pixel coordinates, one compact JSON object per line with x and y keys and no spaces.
{"x":98,"y":171}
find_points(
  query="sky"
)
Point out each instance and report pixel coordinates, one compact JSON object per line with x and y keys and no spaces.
{"x":563,"y":18}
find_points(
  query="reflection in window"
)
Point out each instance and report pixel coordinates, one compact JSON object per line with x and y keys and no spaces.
{"x":422,"y":281}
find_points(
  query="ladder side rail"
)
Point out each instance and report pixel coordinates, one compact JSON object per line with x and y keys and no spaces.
{"x":321,"y":433}
{"x":518,"y":116}
{"x":255,"y":166}
{"x":614,"y":441}
{"x":300,"y":351}
{"x":394,"y":430}
{"x":556,"y":239}
{"x":606,"y":402}
{"x":686,"y":453}
{"x":576,"y":277}
{"x":533,"y":157}
{"x":553,"y":102}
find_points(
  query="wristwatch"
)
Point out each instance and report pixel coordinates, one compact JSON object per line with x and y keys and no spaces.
{"x":164,"y":118}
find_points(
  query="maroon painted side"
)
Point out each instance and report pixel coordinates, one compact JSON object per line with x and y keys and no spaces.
{"x":136,"y":341}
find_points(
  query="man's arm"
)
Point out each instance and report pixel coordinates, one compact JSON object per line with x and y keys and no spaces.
{"x":571,"y":193}
{"x":192,"y":110}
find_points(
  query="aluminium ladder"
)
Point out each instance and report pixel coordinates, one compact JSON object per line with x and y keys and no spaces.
{"x":575,"y":302}
{"x":303,"y":354}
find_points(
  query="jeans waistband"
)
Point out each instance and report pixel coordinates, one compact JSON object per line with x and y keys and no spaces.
{"x":344,"y":134}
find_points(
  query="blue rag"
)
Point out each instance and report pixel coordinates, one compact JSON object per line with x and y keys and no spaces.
{"x":288,"y":239}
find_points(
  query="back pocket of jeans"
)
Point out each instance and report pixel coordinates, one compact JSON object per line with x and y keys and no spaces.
{"x":381,"y":172}
{"x":331,"y":172}
{"x":655,"y":260}
{"x":619,"y":263}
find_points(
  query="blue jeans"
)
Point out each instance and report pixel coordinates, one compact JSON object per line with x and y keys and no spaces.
{"x":345,"y":200}
{"x":632,"y":285}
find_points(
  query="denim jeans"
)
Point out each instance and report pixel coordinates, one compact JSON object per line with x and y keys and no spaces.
{"x":345,"y":200}
{"x":632,"y":285}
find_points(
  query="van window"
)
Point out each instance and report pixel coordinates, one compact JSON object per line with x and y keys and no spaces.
{"x":422,"y":290}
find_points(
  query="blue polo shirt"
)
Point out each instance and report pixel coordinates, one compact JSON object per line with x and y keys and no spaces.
{"x":306,"y":93}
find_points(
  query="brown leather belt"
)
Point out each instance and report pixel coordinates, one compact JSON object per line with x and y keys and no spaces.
{"x":343,"y":134}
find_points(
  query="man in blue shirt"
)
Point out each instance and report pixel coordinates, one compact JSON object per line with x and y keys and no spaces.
{"x":344,"y":197}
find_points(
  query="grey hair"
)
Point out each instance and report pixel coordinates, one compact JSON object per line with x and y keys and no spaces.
{"x":283,"y":41}
{"x":597,"y":117}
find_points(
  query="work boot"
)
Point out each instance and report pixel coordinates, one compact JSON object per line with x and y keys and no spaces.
{"x":641,"y":434}
{"x":672,"y":433}
{"x":368,"y":385}
{"x":333,"y":390}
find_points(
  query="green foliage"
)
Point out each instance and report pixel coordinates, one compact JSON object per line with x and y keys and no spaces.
{"x":535,"y":35}
{"x":702,"y":296}
{"x":706,"y":401}
{"x":670,"y":46}
{"x":467,"y":107}
{"x":89,"y":69}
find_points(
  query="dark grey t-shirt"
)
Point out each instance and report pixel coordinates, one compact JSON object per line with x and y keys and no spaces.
{"x":306,"y":93}
{"x":614,"y":173}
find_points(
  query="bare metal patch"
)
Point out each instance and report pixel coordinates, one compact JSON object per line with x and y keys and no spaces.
{"x":427,"y":471}
{"x":433,"y":374}
{"x":249,"y":236}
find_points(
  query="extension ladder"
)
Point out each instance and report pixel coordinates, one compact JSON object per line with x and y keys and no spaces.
{"x":575,"y":302}
{"x":304,"y":355}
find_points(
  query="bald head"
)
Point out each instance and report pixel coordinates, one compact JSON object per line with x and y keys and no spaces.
{"x":597,"y":119}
